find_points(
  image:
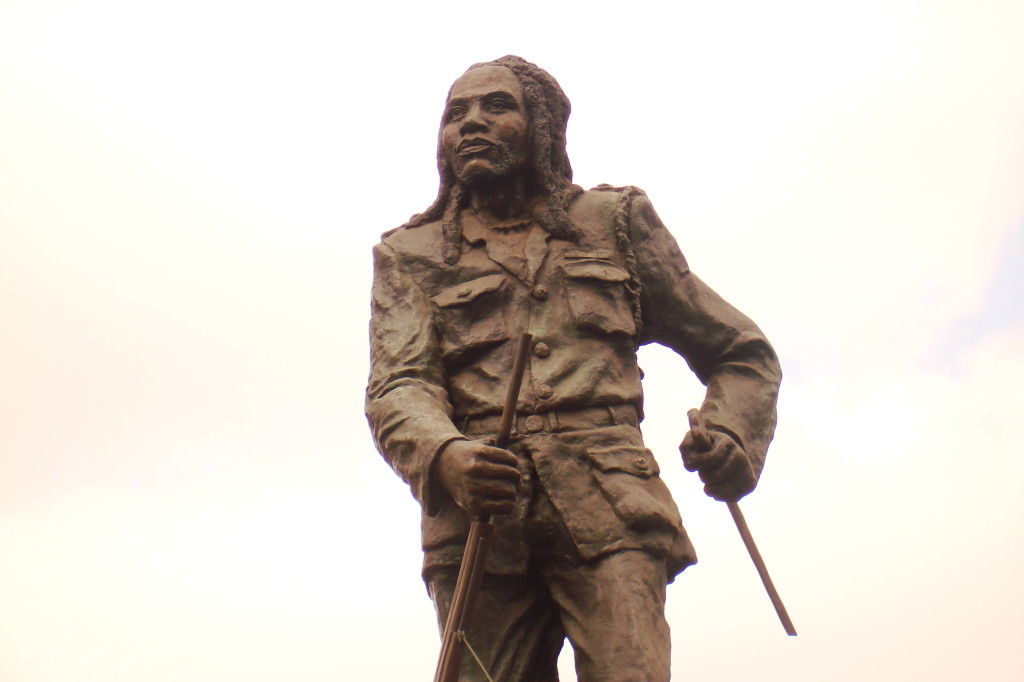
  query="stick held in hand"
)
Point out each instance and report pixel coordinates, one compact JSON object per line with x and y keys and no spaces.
{"x":702,"y":439}
{"x":471,"y":571}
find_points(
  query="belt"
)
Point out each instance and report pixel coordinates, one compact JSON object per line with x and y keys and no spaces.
{"x":554,"y":421}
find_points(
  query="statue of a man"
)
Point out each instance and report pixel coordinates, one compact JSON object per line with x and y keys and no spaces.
{"x":587,"y":534}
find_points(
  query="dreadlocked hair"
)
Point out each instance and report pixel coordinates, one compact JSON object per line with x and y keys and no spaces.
{"x":548,"y":109}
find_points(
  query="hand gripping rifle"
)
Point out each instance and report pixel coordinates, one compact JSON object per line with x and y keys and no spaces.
{"x":467,"y":586}
{"x":703,"y":442}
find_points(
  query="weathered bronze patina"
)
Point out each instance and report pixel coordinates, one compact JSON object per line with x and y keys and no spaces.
{"x":586,"y":533}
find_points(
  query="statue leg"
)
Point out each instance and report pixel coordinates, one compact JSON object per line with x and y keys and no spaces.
{"x":516,"y":630}
{"x":613,"y":611}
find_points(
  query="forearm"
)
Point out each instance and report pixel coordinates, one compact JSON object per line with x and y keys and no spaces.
{"x":411,"y":425}
{"x":407,"y":405}
{"x":724,"y":348}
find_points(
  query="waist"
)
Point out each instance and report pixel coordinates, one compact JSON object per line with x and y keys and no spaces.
{"x":553,"y":421}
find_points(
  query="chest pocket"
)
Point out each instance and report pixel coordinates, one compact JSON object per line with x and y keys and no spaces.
{"x":470,"y":315}
{"x":595,"y":289}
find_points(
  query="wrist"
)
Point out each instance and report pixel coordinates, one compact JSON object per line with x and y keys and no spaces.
{"x":437,"y":489}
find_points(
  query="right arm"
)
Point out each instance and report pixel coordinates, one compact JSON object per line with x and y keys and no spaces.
{"x":407,"y":404}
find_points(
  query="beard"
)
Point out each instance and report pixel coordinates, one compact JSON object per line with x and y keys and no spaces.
{"x":495,"y":171}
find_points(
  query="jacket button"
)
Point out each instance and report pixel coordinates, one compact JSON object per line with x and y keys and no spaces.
{"x":544,"y":391}
{"x":533,"y":423}
{"x":540,"y":293}
{"x":541,"y":349}
{"x":640,"y":463}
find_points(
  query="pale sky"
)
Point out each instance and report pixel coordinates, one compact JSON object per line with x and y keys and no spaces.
{"x":189,"y":192}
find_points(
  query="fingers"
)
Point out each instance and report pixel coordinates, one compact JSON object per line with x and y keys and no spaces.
{"x":493,"y":481}
{"x":723,"y":464}
{"x":696,"y":458}
{"x":724,"y":468}
{"x":495,"y":498}
{"x":482,"y":479}
{"x":698,"y":430}
{"x":729,"y":492}
{"x":733,"y":489}
{"x":497,"y":456}
{"x":493,"y":464}
{"x":731,"y":479}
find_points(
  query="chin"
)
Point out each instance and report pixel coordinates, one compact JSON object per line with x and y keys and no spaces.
{"x":481,"y":176}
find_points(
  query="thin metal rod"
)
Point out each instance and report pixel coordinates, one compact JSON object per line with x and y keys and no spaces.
{"x":702,"y":440}
{"x":762,"y":570}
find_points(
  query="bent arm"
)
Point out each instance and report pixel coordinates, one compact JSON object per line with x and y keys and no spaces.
{"x":407,"y":405}
{"x":723,"y":347}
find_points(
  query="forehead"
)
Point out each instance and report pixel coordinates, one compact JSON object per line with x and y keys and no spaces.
{"x":484,"y":81}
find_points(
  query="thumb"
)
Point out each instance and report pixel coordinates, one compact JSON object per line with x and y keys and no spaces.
{"x":699,"y":432}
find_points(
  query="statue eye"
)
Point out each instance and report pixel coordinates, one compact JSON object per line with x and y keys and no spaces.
{"x":455,"y":113}
{"x":498,"y":106}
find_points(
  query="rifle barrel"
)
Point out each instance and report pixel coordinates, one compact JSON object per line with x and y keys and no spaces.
{"x":471,"y":572}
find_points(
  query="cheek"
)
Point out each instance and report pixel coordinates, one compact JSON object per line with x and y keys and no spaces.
{"x":518,"y":137}
{"x":448,"y":142}
{"x":447,"y":138}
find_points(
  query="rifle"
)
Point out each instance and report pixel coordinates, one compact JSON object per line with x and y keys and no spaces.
{"x":703,"y":442}
{"x":471,"y":572}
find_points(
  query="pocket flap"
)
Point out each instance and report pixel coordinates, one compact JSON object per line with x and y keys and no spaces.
{"x":631,"y":461}
{"x":595,"y":269}
{"x":467,"y":291}
{"x":599,"y":254}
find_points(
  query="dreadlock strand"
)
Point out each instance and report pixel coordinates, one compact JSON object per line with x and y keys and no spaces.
{"x":451,"y":226}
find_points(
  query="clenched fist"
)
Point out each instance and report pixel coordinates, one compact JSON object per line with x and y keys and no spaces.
{"x":722,"y":464}
{"x":482,"y":479}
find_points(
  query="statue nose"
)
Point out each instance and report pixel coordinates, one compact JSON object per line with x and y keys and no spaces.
{"x":473,"y":121}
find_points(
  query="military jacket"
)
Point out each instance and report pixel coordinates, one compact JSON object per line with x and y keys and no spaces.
{"x":443,"y":337}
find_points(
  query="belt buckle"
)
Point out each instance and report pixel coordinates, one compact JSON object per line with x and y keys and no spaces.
{"x":533,"y":423}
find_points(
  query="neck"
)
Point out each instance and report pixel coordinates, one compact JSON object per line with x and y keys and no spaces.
{"x":508,"y":201}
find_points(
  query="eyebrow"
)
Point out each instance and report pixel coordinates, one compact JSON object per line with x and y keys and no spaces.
{"x":496,"y":94}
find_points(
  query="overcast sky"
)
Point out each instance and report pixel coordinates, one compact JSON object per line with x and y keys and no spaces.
{"x":189,"y":192}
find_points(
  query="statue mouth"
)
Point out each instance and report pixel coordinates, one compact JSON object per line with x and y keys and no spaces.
{"x":474,"y":145}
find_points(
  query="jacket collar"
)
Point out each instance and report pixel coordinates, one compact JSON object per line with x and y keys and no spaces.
{"x":523,"y":260}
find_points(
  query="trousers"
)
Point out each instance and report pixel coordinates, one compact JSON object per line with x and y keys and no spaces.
{"x":612,"y":609}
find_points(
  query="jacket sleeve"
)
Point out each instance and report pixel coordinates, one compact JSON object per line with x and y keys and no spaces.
{"x":724,"y":348}
{"x":406,"y":402}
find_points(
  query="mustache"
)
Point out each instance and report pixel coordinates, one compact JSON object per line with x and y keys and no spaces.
{"x":477,"y":141}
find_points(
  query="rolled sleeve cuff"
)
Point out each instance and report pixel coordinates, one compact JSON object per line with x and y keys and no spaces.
{"x":431,"y":493}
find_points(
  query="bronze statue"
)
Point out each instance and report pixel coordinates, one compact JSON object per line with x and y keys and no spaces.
{"x":587,"y":535}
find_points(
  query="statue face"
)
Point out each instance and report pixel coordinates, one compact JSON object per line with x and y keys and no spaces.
{"x":485,"y":133}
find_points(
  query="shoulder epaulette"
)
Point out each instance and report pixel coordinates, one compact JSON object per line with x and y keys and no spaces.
{"x":621,"y":226}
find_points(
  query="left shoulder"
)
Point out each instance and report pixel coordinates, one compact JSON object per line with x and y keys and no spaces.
{"x":606,"y":202}
{"x":610,"y":197}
